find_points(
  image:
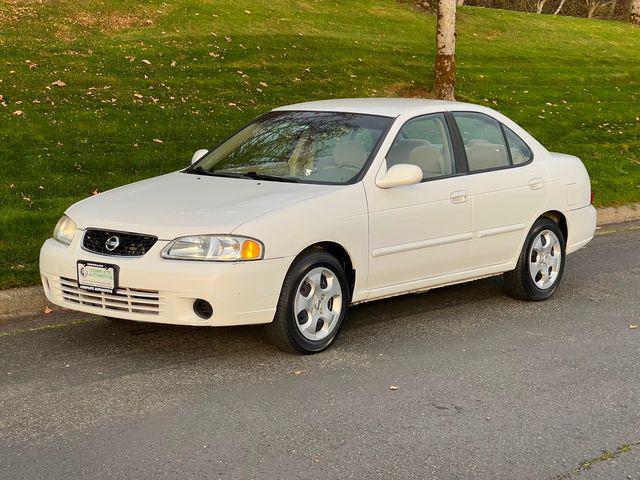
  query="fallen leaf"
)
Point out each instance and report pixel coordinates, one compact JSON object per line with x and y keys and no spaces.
{"x":47,"y":310}
{"x":58,"y":83}
{"x":95,"y":192}
{"x":18,"y":112}
{"x":633,"y":326}
{"x":393,"y":387}
{"x":146,"y":62}
{"x":298,"y":372}
{"x":137,"y":95}
{"x":157,"y":140}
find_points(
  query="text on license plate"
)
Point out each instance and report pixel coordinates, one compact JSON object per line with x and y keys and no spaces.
{"x":97,"y":277}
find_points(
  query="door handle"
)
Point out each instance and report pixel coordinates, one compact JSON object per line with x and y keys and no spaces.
{"x":536,"y":183}
{"x":459,"y":196}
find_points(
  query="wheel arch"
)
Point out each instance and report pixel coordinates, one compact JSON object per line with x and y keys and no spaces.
{"x":341,"y":254}
{"x":560,"y":219}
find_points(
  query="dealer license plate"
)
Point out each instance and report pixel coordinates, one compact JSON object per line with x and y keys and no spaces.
{"x":97,"y":277}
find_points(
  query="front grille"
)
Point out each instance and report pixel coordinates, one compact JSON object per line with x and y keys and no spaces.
{"x":128,"y":244}
{"x":146,"y":302}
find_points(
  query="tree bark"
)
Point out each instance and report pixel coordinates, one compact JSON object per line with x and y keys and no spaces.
{"x":445,"y":67}
{"x":540,"y":5}
{"x":635,"y":12}
{"x":559,"y":7}
{"x":460,"y":3}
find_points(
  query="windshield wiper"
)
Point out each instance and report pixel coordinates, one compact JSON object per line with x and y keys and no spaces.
{"x":252,"y":175}
{"x":264,"y":176}
{"x":201,"y":171}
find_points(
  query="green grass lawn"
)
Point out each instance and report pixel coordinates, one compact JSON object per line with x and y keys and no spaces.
{"x":144,"y":84}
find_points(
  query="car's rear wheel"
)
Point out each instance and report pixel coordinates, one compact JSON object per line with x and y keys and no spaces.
{"x":540,"y":265}
{"x":312,"y":305}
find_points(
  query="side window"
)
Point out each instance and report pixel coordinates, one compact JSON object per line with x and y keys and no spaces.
{"x":424,"y":141}
{"x":483,"y":141}
{"x":520,"y":151}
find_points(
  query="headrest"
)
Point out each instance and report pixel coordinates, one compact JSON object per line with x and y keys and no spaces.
{"x":428,"y":158}
{"x":349,"y":153}
{"x":482,"y":156}
{"x":399,"y":151}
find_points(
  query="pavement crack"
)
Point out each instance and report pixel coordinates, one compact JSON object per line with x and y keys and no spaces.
{"x":605,"y":456}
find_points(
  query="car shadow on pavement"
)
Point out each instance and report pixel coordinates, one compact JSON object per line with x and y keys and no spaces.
{"x":159,"y":344}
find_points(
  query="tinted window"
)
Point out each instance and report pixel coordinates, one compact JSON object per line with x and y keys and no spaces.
{"x":307,"y":147}
{"x":520,"y":152}
{"x":425,"y":142}
{"x":483,"y":141}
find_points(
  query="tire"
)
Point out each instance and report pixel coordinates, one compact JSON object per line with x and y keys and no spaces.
{"x":528,"y":280}
{"x":322,"y":277}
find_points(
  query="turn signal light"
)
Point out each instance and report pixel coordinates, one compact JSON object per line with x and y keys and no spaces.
{"x":251,"y":250}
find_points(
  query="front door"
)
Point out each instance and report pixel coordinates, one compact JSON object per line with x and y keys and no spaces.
{"x":422,"y":231}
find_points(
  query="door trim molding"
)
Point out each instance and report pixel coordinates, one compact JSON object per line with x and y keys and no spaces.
{"x":434,"y":242}
{"x":491,"y":232}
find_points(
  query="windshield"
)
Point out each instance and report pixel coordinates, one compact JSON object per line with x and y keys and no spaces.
{"x":308,"y":147}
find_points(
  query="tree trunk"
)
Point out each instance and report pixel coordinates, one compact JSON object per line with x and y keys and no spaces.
{"x":591,"y":10}
{"x":540,"y":6}
{"x":559,"y":7}
{"x":445,"y":67}
{"x":460,"y":3}
{"x":635,"y":12}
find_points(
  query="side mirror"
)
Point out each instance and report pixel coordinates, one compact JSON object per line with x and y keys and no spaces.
{"x":401,"y":175}
{"x":198,"y":155}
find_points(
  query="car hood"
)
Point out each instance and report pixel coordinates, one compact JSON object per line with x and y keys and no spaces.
{"x":185,"y":204}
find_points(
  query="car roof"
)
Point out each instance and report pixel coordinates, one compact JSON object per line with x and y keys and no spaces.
{"x":389,"y":107}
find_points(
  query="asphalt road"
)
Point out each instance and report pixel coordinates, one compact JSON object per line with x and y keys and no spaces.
{"x":487,"y":388}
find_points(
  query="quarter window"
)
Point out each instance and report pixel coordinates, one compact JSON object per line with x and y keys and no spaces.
{"x":424,"y":141}
{"x":520,"y":151}
{"x":483,"y":141}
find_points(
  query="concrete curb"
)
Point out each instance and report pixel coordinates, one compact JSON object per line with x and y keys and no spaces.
{"x":26,"y":301}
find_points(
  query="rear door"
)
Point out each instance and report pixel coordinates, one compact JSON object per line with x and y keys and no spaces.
{"x":506,"y":187}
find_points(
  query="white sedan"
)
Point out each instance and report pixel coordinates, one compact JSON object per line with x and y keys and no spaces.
{"x":317,"y":206}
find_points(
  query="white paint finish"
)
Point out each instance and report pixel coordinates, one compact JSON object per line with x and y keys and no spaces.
{"x":401,"y":239}
{"x":181,"y":204}
{"x":418,"y":215}
{"x":408,"y":247}
{"x":400,"y":175}
{"x":491,"y":232}
{"x":572,"y":194}
{"x":239,"y":292}
{"x":500,"y":200}
{"x":581,"y":224}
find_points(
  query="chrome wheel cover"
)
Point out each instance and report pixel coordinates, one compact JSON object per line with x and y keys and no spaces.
{"x":318,"y":304}
{"x":545,"y":259}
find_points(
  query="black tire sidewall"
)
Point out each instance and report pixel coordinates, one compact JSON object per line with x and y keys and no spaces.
{"x":294,"y":277}
{"x":538,"y":227}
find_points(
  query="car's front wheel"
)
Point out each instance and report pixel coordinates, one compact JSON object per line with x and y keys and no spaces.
{"x":312,"y":306}
{"x":540,"y":265}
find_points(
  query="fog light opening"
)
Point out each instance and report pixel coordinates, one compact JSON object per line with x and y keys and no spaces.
{"x":203,"y":309}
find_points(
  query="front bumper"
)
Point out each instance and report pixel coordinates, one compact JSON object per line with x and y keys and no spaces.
{"x":154,"y":289}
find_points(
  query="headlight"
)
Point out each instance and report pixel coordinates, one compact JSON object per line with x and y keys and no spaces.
{"x":64,"y":231}
{"x":215,"y":248}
